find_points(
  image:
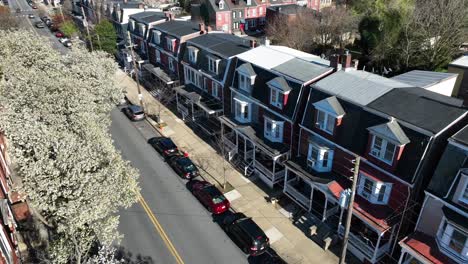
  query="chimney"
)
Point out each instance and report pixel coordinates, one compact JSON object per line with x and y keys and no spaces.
{"x":335,"y":61}
{"x":252,"y":43}
{"x":346,"y":60}
{"x":201,"y":27}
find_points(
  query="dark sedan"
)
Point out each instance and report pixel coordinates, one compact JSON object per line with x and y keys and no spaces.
{"x":183,"y":166}
{"x":165,"y":146}
{"x":246,"y":234}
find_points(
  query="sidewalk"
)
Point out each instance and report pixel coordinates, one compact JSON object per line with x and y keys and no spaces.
{"x":249,"y":196}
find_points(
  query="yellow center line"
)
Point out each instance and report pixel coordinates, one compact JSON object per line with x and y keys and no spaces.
{"x":160,"y":230}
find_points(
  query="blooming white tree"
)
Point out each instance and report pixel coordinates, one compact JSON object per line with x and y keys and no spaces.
{"x":55,"y":112}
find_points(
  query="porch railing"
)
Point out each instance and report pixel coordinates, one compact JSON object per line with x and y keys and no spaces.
{"x":366,"y":248}
{"x":289,"y":189}
{"x":182,"y":109}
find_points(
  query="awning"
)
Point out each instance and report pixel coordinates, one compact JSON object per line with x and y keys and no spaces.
{"x":455,"y":218}
{"x":196,"y":99}
{"x":324,"y":178}
{"x":158,"y":72}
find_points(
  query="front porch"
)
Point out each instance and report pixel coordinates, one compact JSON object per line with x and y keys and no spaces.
{"x":251,"y":153}
{"x":157,"y":78}
{"x":199,"y":109}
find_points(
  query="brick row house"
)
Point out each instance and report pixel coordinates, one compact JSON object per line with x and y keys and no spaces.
{"x":13,"y":209}
{"x":269,"y":88}
{"x":208,"y":64}
{"x":441,"y":231}
{"x":397,"y":131}
{"x":166,"y":43}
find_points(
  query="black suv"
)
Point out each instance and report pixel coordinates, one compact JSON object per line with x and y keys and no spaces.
{"x":164,"y":145}
{"x":246,"y":234}
{"x":183,"y":166}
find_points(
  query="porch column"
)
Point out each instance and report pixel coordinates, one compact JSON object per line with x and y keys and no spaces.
{"x":403,"y":252}
{"x":274,"y":168}
{"x":193,"y":112}
{"x":311,"y":197}
{"x":374,"y":257}
{"x":177,"y":99}
{"x":325,"y":209}
{"x":245,"y":149}
{"x":253,"y":156}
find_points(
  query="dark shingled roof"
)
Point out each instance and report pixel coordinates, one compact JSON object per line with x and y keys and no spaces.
{"x":301,"y":70}
{"x":148,"y":17}
{"x":462,"y":136}
{"x":422,"y":108}
{"x":392,"y":130}
{"x":178,"y":28}
{"x":221,"y":44}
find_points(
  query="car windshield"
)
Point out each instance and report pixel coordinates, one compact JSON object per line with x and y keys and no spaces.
{"x":216,"y":196}
{"x":138,"y":113}
{"x":187,"y":164}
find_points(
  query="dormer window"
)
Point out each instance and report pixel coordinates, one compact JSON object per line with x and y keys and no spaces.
{"x":463,"y":196}
{"x":249,"y":2}
{"x":246,"y":77}
{"x":242,"y":110}
{"x":193,"y":52}
{"x":131,"y":25}
{"x":452,"y":238}
{"x":376,"y":192}
{"x":327,"y":111}
{"x":273,"y":130}
{"x":213,"y":64}
{"x":279,"y":90}
{"x":221,"y":4}
{"x":385,"y":140}
{"x":170,"y":43}
{"x":156,"y":37}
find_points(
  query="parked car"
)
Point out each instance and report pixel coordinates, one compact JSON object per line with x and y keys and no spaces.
{"x":269,"y":257}
{"x":59,"y":34}
{"x":209,"y":196}
{"x":246,"y":234}
{"x":34,"y":6}
{"x":66,"y":42}
{"x":164,"y":145}
{"x":39,"y":24}
{"x":183,"y":166}
{"x":18,"y":10}
{"x":134,"y":112}
{"x":44,"y":18}
{"x":31,"y":16}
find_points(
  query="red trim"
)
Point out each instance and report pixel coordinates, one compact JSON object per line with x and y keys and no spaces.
{"x":426,"y":247}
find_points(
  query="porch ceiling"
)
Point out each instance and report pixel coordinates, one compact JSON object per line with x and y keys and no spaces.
{"x":298,"y":167}
{"x":158,"y":72}
{"x":201,"y":99}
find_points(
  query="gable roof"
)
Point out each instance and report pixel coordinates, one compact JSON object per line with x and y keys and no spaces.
{"x":461,"y":136}
{"x":391,"y":131}
{"x":280,"y":83}
{"x":246,"y":68}
{"x":425,"y":109}
{"x":359,"y":87}
{"x":221,"y":44}
{"x":423,"y":79}
{"x":331,"y":105}
{"x":178,"y":28}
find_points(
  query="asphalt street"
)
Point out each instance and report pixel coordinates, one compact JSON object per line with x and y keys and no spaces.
{"x":186,"y":222}
{"x":28,"y":23}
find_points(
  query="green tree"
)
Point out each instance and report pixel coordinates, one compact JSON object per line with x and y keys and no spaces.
{"x":74,"y":178}
{"x":105,"y":37}
{"x":68,"y":28}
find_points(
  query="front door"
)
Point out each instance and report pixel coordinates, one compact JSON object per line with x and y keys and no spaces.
{"x":318,"y":203}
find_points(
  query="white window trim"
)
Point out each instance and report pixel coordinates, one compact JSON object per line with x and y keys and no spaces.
{"x":233,"y":14}
{"x":274,"y":125}
{"x":244,"y":105}
{"x":221,"y":5}
{"x":381,"y":154}
{"x":157,"y":37}
{"x":445,"y":236}
{"x":316,"y":163}
{"x":193,"y":55}
{"x":279,"y":93}
{"x":462,"y":192}
{"x":169,"y":44}
{"x":247,"y":85}
{"x":216,"y":64}
{"x":158,"y":56}
{"x":215,"y":89}
{"x":323,"y":126}
{"x":373,"y":196}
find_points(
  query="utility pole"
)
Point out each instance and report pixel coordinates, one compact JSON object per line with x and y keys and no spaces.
{"x":140,"y":96}
{"x":223,"y":146}
{"x":350,"y":210}
{"x":85,"y":21}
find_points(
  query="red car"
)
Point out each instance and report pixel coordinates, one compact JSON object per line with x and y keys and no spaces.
{"x":59,"y":35}
{"x":209,"y":196}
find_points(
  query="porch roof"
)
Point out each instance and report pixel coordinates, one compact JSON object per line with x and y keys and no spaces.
{"x":158,"y":72}
{"x":298,"y":165}
{"x":255,"y":134}
{"x":424,"y":246}
{"x":455,"y":218}
{"x":200,"y":98}
{"x":380,"y":217}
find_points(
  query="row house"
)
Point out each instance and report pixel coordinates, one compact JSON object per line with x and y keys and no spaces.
{"x":208,"y":63}
{"x":139,"y":26}
{"x":268,"y":93}
{"x":13,"y":209}
{"x":166,"y":45}
{"x":441,"y":231}
{"x":398,"y":132}
{"x":120,"y":12}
